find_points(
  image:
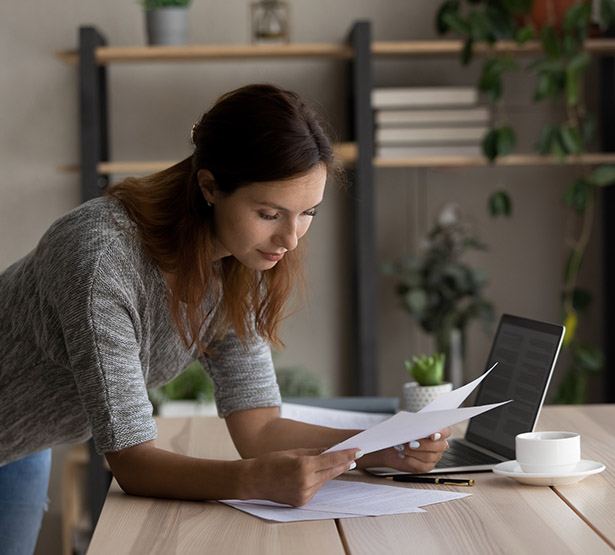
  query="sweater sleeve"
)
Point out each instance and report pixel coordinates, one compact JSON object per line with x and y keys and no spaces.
{"x":243,"y":376}
{"x":102,"y":327}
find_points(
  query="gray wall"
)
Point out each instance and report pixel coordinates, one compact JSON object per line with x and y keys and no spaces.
{"x":153,"y":108}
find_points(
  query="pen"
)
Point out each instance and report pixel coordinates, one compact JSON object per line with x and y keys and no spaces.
{"x":430,"y":480}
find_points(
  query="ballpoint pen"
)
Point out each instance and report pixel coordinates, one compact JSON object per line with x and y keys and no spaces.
{"x":430,"y":480}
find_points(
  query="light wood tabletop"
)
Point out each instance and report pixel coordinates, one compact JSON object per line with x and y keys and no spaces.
{"x":501,"y":515}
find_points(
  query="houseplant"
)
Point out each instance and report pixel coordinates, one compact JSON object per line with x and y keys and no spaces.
{"x":428,"y":373}
{"x":166,"y":21}
{"x":191,"y":392}
{"x":559,"y":74}
{"x":440,"y":291}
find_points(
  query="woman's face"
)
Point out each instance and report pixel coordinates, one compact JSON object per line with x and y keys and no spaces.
{"x":259,"y":223}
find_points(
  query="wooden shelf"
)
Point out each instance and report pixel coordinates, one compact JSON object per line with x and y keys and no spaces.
{"x":454,"y":47}
{"x":590,"y":159}
{"x":191,"y":53}
{"x":132,"y":54}
{"x":346,"y":153}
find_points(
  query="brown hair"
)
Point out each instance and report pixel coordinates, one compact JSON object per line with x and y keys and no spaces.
{"x":253,"y":134}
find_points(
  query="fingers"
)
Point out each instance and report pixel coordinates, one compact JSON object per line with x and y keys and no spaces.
{"x":338,"y":459}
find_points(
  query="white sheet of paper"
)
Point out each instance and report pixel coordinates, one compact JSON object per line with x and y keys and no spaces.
{"x":453,"y":399}
{"x":334,"y":418}
{"x":408,"y":426}
{"x":345,"y":499}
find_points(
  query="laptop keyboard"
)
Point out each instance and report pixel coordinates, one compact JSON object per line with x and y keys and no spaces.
{"x":459,"y":454}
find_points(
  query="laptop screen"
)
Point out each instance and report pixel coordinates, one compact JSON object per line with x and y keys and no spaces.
{"x":526,"y":351}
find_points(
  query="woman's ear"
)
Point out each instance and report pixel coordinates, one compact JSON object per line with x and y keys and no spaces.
{"x":207,"y":184}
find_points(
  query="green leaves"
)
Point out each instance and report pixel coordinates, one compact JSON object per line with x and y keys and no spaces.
{"x":579,"y":195}
{"x":499,"y":142}
{"x":603,"y":175}
{"x":490,"y":81}
{"x":560,"y":140}
{"x":500,"y":204}
{"x":427,"y":370}
{"x":156,"y":4}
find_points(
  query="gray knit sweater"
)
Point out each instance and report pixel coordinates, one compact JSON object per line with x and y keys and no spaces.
{"x":85,"y":330}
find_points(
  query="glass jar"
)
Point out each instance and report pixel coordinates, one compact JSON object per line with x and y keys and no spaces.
{"x":270,"y":21}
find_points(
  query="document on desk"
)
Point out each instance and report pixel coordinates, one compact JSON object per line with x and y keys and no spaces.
{"x":408,"y":426}
{"x":346,"y":499}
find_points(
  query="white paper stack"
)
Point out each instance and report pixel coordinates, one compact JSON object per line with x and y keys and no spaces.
{"x":428,"y":122}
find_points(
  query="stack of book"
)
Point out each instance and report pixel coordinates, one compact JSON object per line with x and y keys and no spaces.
{"x":415,"y":122}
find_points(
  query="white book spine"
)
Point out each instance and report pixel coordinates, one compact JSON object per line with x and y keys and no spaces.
{"x":397,"y":97}
{"x":467,"y":116}
{"x":429,"y":135}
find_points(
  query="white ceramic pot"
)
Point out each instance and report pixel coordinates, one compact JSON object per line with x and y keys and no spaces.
{"x":418,"y":396}
{"x":167,"y":26}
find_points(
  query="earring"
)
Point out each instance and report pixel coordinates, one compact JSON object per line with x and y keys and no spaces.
{"x":209,"y":204}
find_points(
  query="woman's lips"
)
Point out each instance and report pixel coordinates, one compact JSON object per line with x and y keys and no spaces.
{"x":272,"y":256}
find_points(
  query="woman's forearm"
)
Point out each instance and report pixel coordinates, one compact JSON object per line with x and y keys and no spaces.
{"x":260,"y":431}
{"x":148,"y":471}
{"x":289,"y":476}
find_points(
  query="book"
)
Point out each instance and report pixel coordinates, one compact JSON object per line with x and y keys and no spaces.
{"x":394,"y":118}
{"x":427,"y":151}
{"x":399,"y":97}
{"x":429,"y":135}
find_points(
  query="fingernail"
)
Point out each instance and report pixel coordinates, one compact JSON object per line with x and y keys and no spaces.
{"x":352,"y":466}
{"x":401,"y":455}
{"x":398,"y":447}
{"x":437,"y":436}
{"x":358,"y":454}
{"x":414,"y":445}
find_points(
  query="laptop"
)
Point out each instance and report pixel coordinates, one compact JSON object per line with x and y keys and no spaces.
{"x":526,"y":352}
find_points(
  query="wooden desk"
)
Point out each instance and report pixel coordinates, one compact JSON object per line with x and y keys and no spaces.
{"x":501,"y":516}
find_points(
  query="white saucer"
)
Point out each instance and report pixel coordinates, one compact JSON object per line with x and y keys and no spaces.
{"x":584,"y":468}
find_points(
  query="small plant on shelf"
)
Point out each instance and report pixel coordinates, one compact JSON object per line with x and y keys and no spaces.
{"x":156,"y":4}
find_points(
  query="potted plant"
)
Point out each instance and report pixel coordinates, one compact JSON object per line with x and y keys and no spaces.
{"x":428,"y":373}
{"x":191,"y":393}
{"x":441,"y":292}
{"x":561,"y":28}
{"x":166,"y":21}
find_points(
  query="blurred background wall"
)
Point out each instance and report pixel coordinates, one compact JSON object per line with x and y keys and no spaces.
{"x":152,"y":109}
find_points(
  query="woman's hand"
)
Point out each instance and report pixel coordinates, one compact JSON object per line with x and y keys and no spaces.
{"x":417,"y":457}
{"x":294,"y":476}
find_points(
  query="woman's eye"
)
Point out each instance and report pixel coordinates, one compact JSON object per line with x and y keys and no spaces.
{"x":269,"y":217}
{"x":311,"y":212}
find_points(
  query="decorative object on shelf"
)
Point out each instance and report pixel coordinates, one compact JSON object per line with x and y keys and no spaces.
{"x":559,"y":76}
{"x":441,"y":292}
{"x":270,"y":21}
{"x":166,"y":21}
{"x":428,"y":373}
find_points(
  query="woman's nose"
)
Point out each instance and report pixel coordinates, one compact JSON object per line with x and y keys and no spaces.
{"x":288,"y":237}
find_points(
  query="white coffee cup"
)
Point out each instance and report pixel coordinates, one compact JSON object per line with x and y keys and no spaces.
{"x":548,"y":452}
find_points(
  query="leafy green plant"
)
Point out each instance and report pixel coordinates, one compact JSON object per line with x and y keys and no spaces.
{"x":156,"y":4}
{"x":437,"y":288}
{"x":427,"y":370}
{"x":559,"y":74}
{"x":298,"y":382}
{"x":192,"y":384}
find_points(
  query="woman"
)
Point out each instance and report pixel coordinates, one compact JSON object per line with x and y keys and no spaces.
{"x":125,"y":291}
